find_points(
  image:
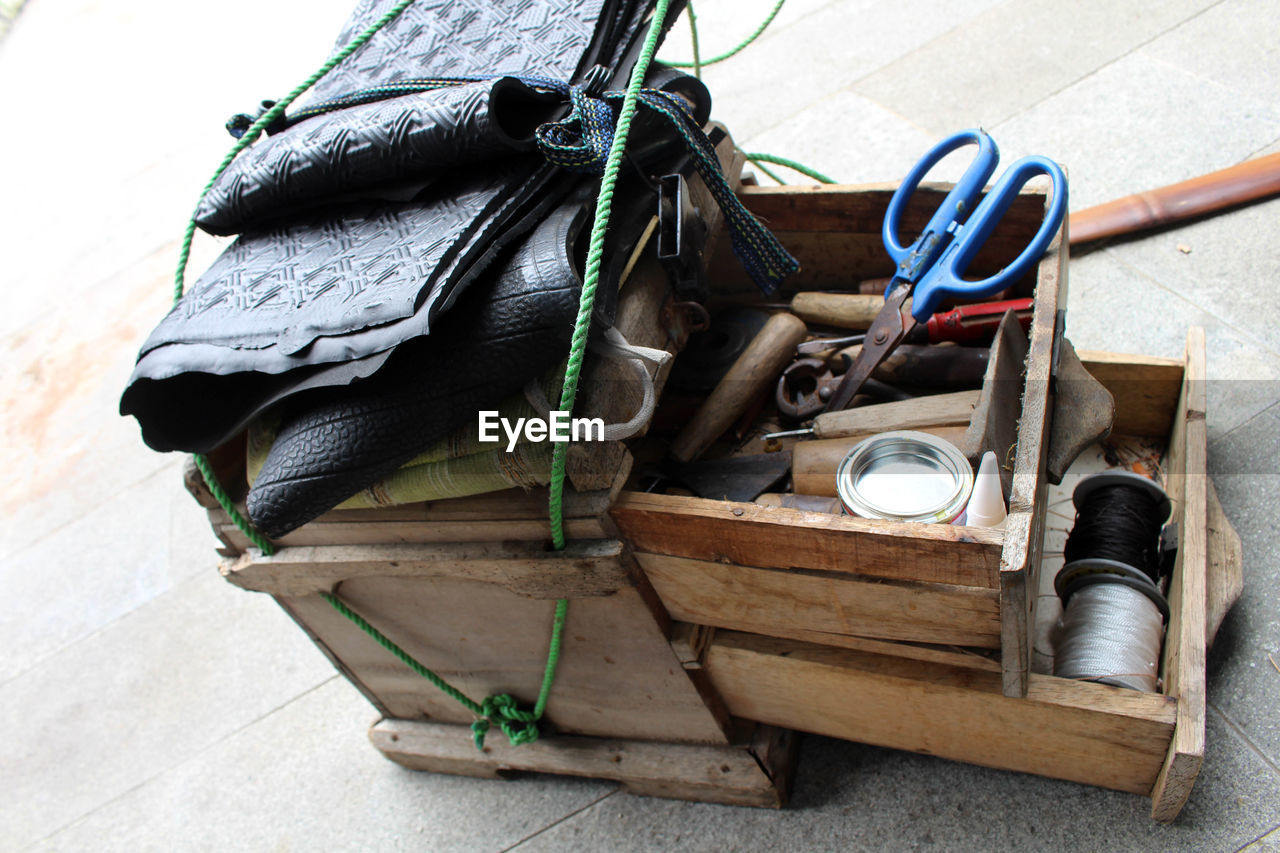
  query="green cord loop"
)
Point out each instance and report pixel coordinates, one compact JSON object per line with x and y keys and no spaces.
{"x":699,"y":64}
{"x":520,"y":726}
{"x":266,"y":119}
{"x":224,"y":500}
{"x":758,"y":159}
{"x":184,"y":253}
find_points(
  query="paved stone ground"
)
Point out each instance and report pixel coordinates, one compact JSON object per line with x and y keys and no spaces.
{"x":145,"y":704}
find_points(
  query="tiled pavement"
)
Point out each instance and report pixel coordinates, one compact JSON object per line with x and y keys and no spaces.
{"x":145,"y":704}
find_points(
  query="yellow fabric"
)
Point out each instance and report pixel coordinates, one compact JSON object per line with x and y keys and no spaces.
{"x":488,"y":471}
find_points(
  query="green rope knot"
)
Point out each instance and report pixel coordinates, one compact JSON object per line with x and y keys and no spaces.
{"x":519,"y":726}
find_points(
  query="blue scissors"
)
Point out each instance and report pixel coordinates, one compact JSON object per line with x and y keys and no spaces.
{"x":931,"y":269}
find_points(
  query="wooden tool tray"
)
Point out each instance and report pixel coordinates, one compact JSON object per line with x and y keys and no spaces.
{"x":818,"y":577}
{"x":875,"y":631}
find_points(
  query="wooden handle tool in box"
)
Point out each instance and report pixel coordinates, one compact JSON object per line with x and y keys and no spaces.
{"x":814,"y":463}
{"x":940,"y":410}
{"x":844,"y":310}
{"x":756,"y":369}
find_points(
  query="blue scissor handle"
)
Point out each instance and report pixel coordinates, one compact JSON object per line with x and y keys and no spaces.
{"x":914,"y":259}
{"x":946,"y":278}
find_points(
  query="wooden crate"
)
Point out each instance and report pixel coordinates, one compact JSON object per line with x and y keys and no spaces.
{"x":701,"y":632}
{"x":730,"y":564}
{"x":468,"y":588}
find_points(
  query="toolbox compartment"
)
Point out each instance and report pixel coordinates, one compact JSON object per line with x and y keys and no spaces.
{"x":869,"y":630}
{"x":822,"y":578}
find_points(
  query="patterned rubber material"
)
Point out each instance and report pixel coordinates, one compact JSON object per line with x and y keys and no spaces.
{"x":509,"y":328}
{"x":305,"y":301}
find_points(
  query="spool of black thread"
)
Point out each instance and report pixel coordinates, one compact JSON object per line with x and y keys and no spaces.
{"x":1119,"y":516}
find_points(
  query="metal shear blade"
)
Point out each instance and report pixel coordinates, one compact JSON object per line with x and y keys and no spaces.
{"x":891,"y":325}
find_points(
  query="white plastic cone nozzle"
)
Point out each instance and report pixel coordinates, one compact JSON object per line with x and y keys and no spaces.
{"x":986,"y":503}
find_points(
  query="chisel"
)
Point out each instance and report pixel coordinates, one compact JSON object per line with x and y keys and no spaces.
{"x":940,"y":410}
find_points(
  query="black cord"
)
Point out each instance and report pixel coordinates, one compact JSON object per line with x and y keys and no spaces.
{"x":1119,"y":523}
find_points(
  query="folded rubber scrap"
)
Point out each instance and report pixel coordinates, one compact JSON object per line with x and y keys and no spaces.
{"x":407,"y":255}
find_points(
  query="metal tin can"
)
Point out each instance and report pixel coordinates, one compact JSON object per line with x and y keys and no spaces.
{"x":905,"y":476}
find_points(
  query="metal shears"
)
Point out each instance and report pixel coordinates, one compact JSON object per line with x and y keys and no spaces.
{"x":932,"y":268}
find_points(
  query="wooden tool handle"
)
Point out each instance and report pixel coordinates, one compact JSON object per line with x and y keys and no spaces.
{"x":1251,"y":180}
{"x":845,"y":310}
{"x":756,"y":368}
{"x":939,"y":410}
{"x":936,"y":366}
{"x":814,"y":463}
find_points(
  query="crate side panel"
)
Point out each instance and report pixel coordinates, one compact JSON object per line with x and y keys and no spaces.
{"x":795,"y":603}
{"x":1081,"y":732}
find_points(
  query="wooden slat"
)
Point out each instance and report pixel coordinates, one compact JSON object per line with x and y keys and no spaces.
{"x":754,"y":775}
{"x":784,"y":603}
{"x":510,"y":514}
{"x":834,"y":231}
{"x":583,"y":568}
{"x":782,"y":538}
{"x":1224,"y":580}
{"x":860,"y":208}
{"x":1084,"y":732}
{"x":419,"y":532}
{"x":1145,"y":388}
{"x":1184,"y":649}
{"x":1024,"y":529}
{"x":617,"y":675}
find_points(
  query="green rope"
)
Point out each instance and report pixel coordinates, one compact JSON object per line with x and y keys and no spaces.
{"x":693,"y":34}
{"x":604,"y":204}
{"x":255,"y":130}
{"x":776,"y":177}
{"x":184,"y":254}
{"x":699,"y":64}
{"x":790,"y":164}
{"x":224,"y":501}
{"x":518,"y":725}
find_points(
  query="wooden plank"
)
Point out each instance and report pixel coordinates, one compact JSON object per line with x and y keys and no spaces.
{"x":834,"y":231}
{"x":505,"y":505}
{"x":731,"y":775}
{"x":586,"y":568}
{"x":1145,"y":389}
{"x":782,"y":538}
{"x":418,"y":532}
{"x":1224,"y":581}
{"x":860,"y":208}
{"x":1184,"y":649}
{"x":617,"y":675}
{"x":1089,"y":733}
{"x":782,"y":603}
{"x":1024,"y":529}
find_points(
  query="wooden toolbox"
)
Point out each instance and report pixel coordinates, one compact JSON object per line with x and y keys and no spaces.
{"x":701,"y":632}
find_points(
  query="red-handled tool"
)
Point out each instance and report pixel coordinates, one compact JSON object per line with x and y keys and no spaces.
{"x":976,"y":322}
{"x":967,"y":324}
